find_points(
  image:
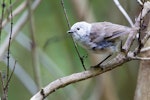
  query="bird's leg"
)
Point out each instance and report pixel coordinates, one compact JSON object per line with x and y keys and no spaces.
{"x":98,"y":65}
{"x":121,"y":49}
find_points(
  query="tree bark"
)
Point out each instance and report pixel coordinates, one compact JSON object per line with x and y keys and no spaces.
{"x":143,"y":83}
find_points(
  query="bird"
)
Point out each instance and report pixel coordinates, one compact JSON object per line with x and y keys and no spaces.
{"x":99,"y":37}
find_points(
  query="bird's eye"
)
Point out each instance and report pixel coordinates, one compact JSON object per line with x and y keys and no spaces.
{"x":78,"y":28}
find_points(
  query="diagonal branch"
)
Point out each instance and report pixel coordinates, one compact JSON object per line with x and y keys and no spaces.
{"x":123,"y":12}
{"x":62,"y":82}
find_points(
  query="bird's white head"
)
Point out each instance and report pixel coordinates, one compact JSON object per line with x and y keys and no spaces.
{"x":80,"y":29}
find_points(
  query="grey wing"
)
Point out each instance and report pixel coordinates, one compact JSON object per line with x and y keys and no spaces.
{"x":107,"y":31}
{"x":115,"y":31}
{"x":97,"y":33}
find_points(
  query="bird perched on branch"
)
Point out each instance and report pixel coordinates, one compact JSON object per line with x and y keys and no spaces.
{"x":100,"y":37}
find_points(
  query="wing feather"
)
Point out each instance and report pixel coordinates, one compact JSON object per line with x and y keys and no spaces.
{"x":107,"y":31}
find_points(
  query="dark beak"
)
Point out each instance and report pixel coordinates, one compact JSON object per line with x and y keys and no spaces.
{"x":70,"y":31}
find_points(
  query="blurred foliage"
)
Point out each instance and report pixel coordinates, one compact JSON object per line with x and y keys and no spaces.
{"x":57,"y":55}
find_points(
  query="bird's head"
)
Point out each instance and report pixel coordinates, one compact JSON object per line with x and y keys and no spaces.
{"x":80,"y":29}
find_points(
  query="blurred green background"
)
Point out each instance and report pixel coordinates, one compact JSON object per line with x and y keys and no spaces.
{"x":56,"y":56}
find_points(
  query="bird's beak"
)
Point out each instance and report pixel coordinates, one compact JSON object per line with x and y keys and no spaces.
{"x":70,"y":31}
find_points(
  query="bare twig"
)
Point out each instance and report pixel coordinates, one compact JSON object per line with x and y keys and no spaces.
{"x":2,"y":17}
{"x":11,"y":29}
{"x":18,"y":10}
{"x":8,"y":81}
{"x":65,"y":13}
{"x":6,"y":84}
{"x":132,"y":56}
{"x":22,"y":75}
{"x":145,"y":49}
{"x":20,"y":23}
{"x":143,"y":41}
{"x":140,"y":58}
{"x":136,"y":27}
{"x":140,"y":2}
{"x":34,"y":52}
{"x":123,"y":12}
{"x":75,"y":45}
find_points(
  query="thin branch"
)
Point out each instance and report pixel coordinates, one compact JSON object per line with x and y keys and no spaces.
{"x":143,"y":41}
{"x":18,"y":10}
{"x":35,"y":60}
{"x":20,"y":23}
{"x":145,"y":49}
{"x":140,"y":2}
{"x":23,"y":76}
{"x":2,"y":17}
{"x":136,"y":27}
{"x":140,"y":58}
{"x":5,"y":89}
{"x":8,"y":81}
{"x":11,"y":29}
{"x":123,"y":12}
{"x":131,"y":55}
{"x":65,"y":13}
{"x":75,"y":45}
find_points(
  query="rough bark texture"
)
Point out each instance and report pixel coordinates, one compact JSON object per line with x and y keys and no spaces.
{"x":143,"y":83}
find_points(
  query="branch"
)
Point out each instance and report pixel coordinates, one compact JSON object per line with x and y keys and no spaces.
{"x":74,"y":43}
{"x":62,"y":82}
{"x":136,"y":27}
{"x":140,"y":2}
{"x":18,"y":10}
{"x":2,"y":17}
{"x":21,"y":22}
{"x":143,"y":79}
{"x":34,"y":53}
{"x":145,"y":49}
{"x":123,"y":12}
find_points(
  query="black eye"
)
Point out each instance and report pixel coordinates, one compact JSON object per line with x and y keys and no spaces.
{"x":78,"y":28}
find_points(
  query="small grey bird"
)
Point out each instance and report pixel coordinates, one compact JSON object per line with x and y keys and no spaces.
{"x":100,"y":37}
